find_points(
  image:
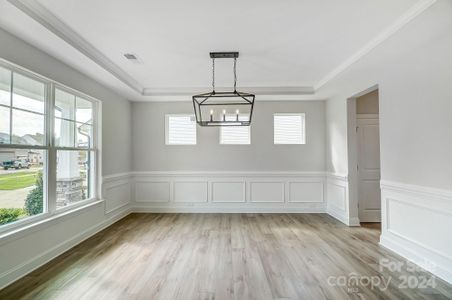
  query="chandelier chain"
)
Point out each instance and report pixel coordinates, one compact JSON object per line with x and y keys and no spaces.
{"x":213,"y":75}
{"x":235,"y":74}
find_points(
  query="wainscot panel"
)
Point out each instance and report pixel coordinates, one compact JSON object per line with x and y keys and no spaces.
{"x":413,"y":217}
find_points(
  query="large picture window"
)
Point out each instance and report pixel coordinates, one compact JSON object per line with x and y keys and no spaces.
{"x":48,"y":147}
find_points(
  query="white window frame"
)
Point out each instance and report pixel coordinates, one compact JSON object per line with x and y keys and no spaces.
{"x":49,"y":173}
{"x":303,"y":128}
{"x":95,"y":148}
{"x":167,"y":117}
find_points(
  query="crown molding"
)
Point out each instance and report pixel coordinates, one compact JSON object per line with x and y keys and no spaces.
{"x":279,"y":90}
{"x":264,"y":94}
{"x":44,"y":17}
{"x":279,"y":93}
{"x":401,"y":21}
{"x":188,"y":98}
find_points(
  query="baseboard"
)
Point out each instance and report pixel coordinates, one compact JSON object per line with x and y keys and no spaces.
{"x":32,"y":264}
{"x":354,"y":222}
{"x":242,"y":210}
{"x":419,"y":255}
{"x":342,"y":217}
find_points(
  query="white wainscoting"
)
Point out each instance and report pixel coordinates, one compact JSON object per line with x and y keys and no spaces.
{"x":88,"y":220}
{"x":117,"y":192}
{"x":337,"y":198}
{"x":416,"y":223}
{"x":229,"y":191}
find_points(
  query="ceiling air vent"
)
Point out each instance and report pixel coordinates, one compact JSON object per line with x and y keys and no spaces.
{"x":133,"y":58}
{"x":130,"y":56}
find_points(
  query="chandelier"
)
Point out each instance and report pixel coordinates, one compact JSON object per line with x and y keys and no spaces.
{"x":231,"y":108}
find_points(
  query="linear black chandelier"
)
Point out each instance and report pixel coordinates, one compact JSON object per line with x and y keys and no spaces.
{"x":224,"y":108}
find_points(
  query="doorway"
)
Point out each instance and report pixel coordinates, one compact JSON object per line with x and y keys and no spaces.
{"x":364,"y":155}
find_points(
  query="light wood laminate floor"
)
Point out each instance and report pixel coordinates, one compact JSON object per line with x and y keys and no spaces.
{"x":226,"y":256}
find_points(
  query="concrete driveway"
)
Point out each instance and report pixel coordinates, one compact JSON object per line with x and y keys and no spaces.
{"x":15,"y":198}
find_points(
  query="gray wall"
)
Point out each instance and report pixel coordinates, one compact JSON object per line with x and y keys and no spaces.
{"x":413,"y":72}
{"x":27,"y":249}
{"x":116,"y":129}
{"x":151,"y":154}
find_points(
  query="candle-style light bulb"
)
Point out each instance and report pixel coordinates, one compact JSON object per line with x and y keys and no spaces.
{"x":211,"y":115}
{"x":224,"y":114}
{"x":237,"y":114}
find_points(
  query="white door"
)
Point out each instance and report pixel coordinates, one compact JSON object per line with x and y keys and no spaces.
{"x":369,"y":197}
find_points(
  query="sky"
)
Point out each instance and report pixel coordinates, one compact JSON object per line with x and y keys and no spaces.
{"x":29,"y":122}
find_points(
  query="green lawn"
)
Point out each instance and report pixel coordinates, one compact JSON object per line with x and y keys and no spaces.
{"x":19,"y":180}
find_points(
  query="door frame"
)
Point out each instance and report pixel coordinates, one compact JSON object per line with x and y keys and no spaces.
{"x":352,"y":152}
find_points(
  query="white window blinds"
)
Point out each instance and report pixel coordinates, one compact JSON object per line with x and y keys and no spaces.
{"x":180,"y":130}
{"x":289,"y":128}
{"x":235,"y":135}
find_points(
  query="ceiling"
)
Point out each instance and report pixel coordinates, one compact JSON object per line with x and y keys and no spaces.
{"x":287,"y":48}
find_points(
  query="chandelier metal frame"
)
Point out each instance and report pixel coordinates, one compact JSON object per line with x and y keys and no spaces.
{"x":214,"y":99}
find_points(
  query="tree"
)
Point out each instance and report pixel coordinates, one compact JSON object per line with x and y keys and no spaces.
{"x":34,"y":201}
{"x":8,"y":215}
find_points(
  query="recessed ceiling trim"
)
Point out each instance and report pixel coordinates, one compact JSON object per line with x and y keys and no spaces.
{"x":262,"y":97}
{"x":291,"y":90}
{"x":43,"y":16}
{"x":404,"y":19}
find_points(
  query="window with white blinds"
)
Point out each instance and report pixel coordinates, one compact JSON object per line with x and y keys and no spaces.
{"x":235,"y":135}
{"x":289,"y":129}
{"x":180,"y":130}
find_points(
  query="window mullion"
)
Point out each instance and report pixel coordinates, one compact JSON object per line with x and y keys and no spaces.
{"x":52,"y":157}
{"x":11,"y":108}
{"x":97,"y":136}
{"x":75,"y":123}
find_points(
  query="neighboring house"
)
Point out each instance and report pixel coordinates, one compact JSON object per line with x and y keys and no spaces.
{"x":30,"y":139}
{"x":33,"y":157}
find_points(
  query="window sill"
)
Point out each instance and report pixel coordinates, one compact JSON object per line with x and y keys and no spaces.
{"x":46,"y":220}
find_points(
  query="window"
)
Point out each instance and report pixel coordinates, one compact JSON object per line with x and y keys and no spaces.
{"x":48,"y":148}
{"x":289,"y":129}
{"x":235,"y":135}
{"x":22,"y":109}
{"x":180,"y":130}
{"x":74,"y":145}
